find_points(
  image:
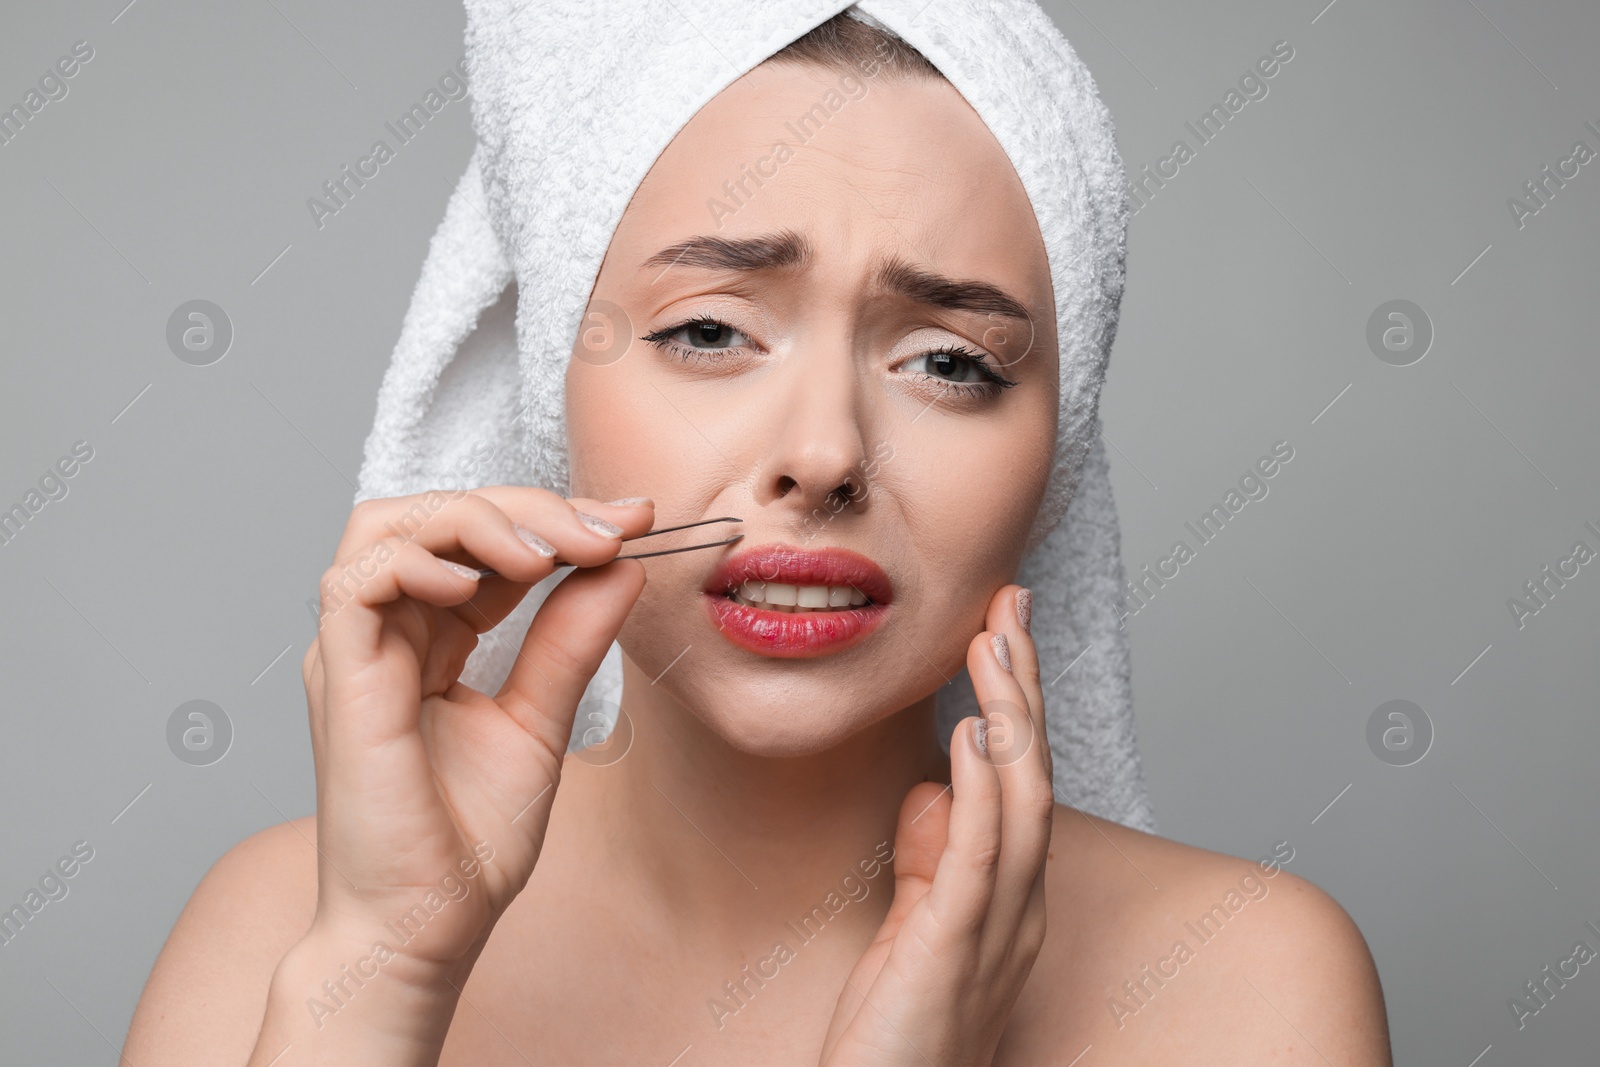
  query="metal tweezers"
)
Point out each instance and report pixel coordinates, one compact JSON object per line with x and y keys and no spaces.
{"x":490,"y":572}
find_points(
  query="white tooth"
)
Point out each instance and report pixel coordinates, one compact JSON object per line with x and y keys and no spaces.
{"x":779,"y":593}
{"x":752,"y":591}
{"x":838,"y":596}
{"x":812,"y":596}
{"x":857,"y":598}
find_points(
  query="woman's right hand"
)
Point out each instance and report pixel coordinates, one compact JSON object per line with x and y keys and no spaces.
{"x":432,"y":797}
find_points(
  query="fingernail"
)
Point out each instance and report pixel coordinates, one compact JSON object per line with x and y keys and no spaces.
{"x":980,"y":734}
{"x":1002,"y":650}
{"x":629,"y":501}
{"x":534,"y":541}
{"x":458,"y":569}
{"x":1025,"y":609}
{"x":599,"y":525}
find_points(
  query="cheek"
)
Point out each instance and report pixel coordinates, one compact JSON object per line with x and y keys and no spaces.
{"x":622,"y":439}
{"x":966,"y":498}
{"x":970,"y":488}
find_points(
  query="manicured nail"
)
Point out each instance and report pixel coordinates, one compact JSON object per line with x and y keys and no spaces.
{"x":980,"y":735}
{"x":1025,"y":609}
{"x":458,"y":569}
{"x":534,"y":541}
{"x":629,"y":501}
{"x":599,"y":525}
{"x":1002,"y":650}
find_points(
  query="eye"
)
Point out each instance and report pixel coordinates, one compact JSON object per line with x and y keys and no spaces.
{"x":696,"y":337}
{"x":961,"y":370}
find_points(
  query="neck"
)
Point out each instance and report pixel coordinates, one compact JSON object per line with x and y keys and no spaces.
{"x":720,"y":835}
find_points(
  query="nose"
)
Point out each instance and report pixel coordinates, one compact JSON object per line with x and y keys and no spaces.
{"x":813,"y":444}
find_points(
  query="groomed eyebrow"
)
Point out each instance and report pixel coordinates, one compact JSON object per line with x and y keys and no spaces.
{"x":786,"y":248}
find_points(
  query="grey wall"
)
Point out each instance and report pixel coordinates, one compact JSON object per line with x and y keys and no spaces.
{"x":1378,"y":567}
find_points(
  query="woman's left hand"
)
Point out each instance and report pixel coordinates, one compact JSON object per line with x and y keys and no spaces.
{"x":938,"y":982}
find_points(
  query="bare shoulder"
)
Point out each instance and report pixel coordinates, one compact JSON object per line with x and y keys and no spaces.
{"x":1167,"y":952}
{"x":207,"y":993}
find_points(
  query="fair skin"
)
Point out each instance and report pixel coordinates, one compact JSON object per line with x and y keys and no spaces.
{"x":617,"y":898}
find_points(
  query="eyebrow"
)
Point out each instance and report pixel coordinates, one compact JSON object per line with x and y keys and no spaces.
{"x":786,"y":248}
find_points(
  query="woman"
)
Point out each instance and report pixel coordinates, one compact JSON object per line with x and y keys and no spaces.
{"x":782,"y":864}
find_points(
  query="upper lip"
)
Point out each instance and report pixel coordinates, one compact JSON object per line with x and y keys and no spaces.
{"x":793,"y":565}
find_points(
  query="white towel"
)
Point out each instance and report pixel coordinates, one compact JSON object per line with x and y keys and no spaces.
{"x":572,"y":101}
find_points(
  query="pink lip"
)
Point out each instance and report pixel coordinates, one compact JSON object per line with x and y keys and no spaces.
{"x":802,"y":635}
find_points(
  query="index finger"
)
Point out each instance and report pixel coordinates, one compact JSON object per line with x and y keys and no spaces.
{"x":560,"y":526}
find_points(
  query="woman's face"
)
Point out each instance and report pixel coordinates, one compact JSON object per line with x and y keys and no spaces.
{"x":808,"y":322}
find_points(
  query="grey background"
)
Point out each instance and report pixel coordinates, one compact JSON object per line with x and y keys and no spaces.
{"x":1419,"y":498}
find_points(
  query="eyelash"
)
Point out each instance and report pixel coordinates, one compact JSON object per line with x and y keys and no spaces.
{"x":993,"y":384}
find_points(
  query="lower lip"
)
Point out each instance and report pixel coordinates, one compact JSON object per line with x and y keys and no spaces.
{"x":793,"y":635}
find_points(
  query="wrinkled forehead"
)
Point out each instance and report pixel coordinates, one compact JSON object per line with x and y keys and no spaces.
{"x":865,"y":171}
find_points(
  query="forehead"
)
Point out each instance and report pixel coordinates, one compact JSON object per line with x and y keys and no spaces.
{"x":864,"y":167}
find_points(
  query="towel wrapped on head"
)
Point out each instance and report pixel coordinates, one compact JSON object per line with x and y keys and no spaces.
{"x":572,"y":101}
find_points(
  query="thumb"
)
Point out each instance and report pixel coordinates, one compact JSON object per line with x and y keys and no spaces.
{"x":919,"y":841}
{"x":569,"y":636}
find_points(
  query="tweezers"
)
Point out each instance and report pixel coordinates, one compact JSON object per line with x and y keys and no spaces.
{"x":490,"y":572}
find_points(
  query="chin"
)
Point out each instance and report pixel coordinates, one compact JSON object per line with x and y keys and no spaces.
{"x":777,"y":708}
{"x":779,"y":719}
